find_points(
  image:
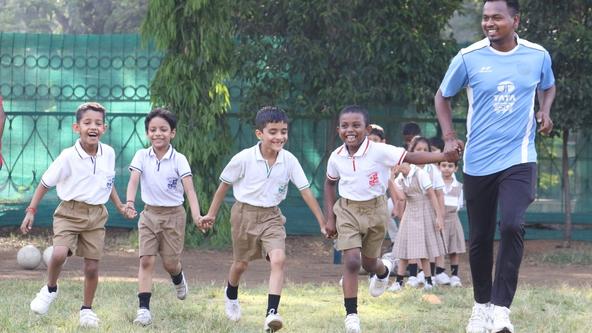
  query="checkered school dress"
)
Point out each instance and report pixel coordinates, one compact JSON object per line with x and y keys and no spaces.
{"x":454,"y":236}
{"x":417,"y":237}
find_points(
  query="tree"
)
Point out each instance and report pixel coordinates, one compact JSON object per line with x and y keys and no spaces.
{"x":314,"y":56}
{"x":564,"y":28}
{"x":72,"y":16}
{"x":196,"y":37}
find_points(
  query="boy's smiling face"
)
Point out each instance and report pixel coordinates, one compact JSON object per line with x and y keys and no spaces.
{"x":352,"y":130}
{"x":273,"y":136}
{"x":90,"y":128}
{"x":160,"y":133}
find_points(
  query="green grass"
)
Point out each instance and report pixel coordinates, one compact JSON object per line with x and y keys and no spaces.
{"x":580,"y":254}
{"x":305,"y":308}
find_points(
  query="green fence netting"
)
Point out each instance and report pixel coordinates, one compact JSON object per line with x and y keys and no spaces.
{"x":43,"y":78}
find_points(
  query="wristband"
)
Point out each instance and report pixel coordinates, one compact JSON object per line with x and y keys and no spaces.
{"x":31,"y":210}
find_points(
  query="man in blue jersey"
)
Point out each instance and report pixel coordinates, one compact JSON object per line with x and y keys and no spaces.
{"x":502,"y":74}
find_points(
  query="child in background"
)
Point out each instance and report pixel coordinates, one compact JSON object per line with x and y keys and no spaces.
{"x":454,"y":237}
{"x":164,"y":174}
{"x":394,"y":206}
{"x":363,"y":168}
{"x":410,"y":130}
{"x":259,"y":177}
{"x":422,"y":220}
{"x":84,"y":179}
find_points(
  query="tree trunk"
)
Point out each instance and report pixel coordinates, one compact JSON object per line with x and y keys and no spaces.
{"x":565,"y":190}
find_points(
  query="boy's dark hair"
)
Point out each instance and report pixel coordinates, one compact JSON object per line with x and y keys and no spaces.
{"x":437,"y":142}
{"x":164,"y":114}
{"x":356,"y":109}
{"x":89,"y":106}
{"x":455,"y":162}
{"x":411,"y":128}
{"x":377,"y":130}
{"x":270,"y":114}
{"x":418,"y":139}
{"x":513,"y":5}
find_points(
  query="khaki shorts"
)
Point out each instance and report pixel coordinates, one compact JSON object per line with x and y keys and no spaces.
{"x":162,"y":231}
{"x":80,"y":227}
{"x":361,"y":224}
{"x":256,"y":231}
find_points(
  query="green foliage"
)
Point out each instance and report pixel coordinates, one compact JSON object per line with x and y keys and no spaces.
{"x":72,"y":16}
{"x":564,"y":28}
{"x":196,"y":38}
{"x":315,"y":56}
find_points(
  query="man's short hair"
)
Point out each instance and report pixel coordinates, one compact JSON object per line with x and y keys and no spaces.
{"x":411,"y":128}
{"x":513,"y":5}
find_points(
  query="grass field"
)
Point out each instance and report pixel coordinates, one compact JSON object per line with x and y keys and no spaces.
{"x":305,"y":308}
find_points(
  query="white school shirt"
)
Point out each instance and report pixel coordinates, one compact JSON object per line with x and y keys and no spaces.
{"x":425,"y":183}
{"x":81,"y":177}
{"x":453,"y":200}
{"x":364,"y":175}
{"x":255,"y":183}
{"x":436,"y":175}
{"x":160,"y":181}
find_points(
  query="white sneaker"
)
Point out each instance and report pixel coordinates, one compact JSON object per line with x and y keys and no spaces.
{"x":273,"y":322}
{"x":88,"y":319}
{"x":455,"y":281}
{"x":420,"y":277}
{"x":501,"y":320}
{"x":413,"y":282}
{"x":182,"y":289}
{"x":40,"y":304}
{"x":143,"y":317}
{"x":378,"y":286}
{"x":442,"y":278}
{"x":352,"y":323}
{"x":232,"y":308}
{"x":427,"y":287}
{"x":480,"y":318}
{"x":395,"y":287}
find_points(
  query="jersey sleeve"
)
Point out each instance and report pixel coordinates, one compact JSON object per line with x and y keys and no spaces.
{"x":391,"y":155}
{"x":297,"y":176}
{"x":332,"y":171}
{"x":136,"y":163}
{"x":233,"y":171}
{"x":438,"y":181}
{"x":456,"y":77}
{"x":547,"y":77}
{"x":57,"y":170}
{"x":183,"y":167}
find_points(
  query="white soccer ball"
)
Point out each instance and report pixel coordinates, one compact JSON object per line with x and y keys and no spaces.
{"x":28,"y":257}
{"x":47,"y":255}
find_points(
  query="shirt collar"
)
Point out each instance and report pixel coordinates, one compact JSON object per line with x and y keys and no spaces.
{"x":259,"y":156}
{"x":83,"y":154}
{"x":168,"y":155}
{"x":361,"y":151}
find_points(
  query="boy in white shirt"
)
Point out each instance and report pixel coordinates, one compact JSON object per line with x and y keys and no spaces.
{"x":259,"y":177}
{"x":84,"y":179}
{"x":362,"y":169}
{"x":164,"y":174}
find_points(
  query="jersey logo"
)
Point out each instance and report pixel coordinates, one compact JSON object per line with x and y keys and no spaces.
{"x":486,"y":69}
{"x":373,"y":179}
{"x":504,"y":100}
{"x":172,"y":183}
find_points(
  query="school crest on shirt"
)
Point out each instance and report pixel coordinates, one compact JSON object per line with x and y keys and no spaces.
{"x":172,"y":183}
{"x":282,"y":189}
{"x":373,"y":179}
{"x":109,"y":183}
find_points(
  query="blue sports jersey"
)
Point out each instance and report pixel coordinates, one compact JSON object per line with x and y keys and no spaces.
{"x":501,"y":88}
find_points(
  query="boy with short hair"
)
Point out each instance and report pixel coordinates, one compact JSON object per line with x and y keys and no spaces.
{"x":164,"y":174}
{"x":358,"y":218}
{"x":84,"y":179}
{"x":259,"y":177}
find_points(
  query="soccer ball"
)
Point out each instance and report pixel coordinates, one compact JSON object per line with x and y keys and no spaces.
{"x":28,"y":257}
{"x":47,"y":255}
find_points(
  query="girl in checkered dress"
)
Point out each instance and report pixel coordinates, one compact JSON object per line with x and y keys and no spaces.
{"x":418,"y":234}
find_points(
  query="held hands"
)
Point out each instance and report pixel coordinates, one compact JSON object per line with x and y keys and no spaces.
{"x":128,"y":210}
{"x":330,"y":228}
{"x":545,"y":123}
{"x":453,"y":149}
{"x":206,"y":222}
